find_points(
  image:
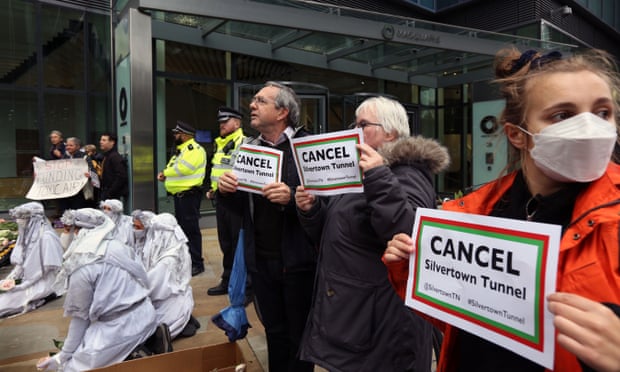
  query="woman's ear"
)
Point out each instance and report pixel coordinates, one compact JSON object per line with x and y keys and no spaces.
{"x":516,"y":136}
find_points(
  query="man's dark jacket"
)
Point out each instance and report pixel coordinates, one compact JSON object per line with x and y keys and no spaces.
{"x":114,"y":180}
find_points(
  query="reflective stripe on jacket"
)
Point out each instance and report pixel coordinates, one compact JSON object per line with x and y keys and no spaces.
{"x":224,"y":155}
{"x":186,"y":169}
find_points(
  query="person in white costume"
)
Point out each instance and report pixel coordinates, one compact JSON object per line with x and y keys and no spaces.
{"x":141,"y":225}
{"x":37,"y":257}
{"x":169,"y":268}
{"x":66,"y":236}
{"x":123,"y":231}
{"x":106,"y":298}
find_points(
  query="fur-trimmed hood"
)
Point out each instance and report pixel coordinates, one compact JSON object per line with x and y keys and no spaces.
{"x":418,"y":150}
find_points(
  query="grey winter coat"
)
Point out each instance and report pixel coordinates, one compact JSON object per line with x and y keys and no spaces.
{"x":357,"y":322}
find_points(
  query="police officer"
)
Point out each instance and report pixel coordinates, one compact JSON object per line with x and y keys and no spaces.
{"x":228,"y":212}
{"x":183,"y":177}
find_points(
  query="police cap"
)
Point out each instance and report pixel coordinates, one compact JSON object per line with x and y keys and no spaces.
{"x":225,"y":113}
{"x":184,"y":128}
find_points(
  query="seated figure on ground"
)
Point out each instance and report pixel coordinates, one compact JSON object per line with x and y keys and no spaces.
{"x":37,"y":257}
{"x":67,"y":234}
{"x":141,"y":225}
{"x":123,"y":231}
{"x":106,"y":297}
{"x":168,"y":265}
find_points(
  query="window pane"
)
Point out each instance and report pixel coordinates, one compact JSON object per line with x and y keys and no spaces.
{"x":65,"y":113}
{"x":62,"y":36}
{"x":193,"y":60}
{"x":99,"y":53}
{"x":99,"y":120}
{"x":18,"y":144}
{"x":195,"y":103}
{"x":18,"y":51}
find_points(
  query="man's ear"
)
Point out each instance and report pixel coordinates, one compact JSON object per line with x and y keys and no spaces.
{"x":282,"y":114}
{"x":516,"y":136}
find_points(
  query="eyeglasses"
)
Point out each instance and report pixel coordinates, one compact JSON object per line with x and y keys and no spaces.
{"x":261,"y":100}
{"x":363,"y":124}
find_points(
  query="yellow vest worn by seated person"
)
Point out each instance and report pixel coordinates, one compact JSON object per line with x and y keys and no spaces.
{"x":224,"y":155}
{"x":186,"y":169}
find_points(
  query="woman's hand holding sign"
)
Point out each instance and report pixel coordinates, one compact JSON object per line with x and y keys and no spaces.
{"x":588,"y":329}
{"x":369,"y":158}
{"x":399,"y":248}
{"x":304,"y":199}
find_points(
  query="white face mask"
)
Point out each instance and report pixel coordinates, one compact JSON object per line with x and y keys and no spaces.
{"x":139,"y":234}
{"x":577,"y":149}
{"x":21,"y":222}
{"x":65,"y":239}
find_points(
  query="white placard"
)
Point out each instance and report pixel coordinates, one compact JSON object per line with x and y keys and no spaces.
{"x":489,"y":276}
{"x":256,"y":167}
{"x":328,"y":164}
{"x":54,"y":179}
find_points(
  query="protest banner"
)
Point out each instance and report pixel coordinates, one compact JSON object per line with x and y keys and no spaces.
{"x":488,"y":276}
{"x":256,"y":167}
{"x":328,"y":164}
{"x":54,"y":179}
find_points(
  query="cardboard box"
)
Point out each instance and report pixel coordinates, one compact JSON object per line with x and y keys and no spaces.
{"x":211,"y":358}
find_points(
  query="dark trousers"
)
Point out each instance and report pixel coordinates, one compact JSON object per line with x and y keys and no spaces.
{"x":229,"y":223}
{"x":187,"y":211}
{"x":283,"y":301}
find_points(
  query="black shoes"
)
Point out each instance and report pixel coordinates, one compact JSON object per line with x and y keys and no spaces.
{"x":218,"y":290}
{"x":160,"y":342}
{"x":197,"y":270}
{"x":190,"y":328}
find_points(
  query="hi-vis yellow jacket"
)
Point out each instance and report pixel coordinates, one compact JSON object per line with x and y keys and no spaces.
{"x":225,"y":148}
{"x":186,"y":169}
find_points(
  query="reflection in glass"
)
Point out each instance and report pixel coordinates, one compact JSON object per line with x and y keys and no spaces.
{"x":18,"y":44}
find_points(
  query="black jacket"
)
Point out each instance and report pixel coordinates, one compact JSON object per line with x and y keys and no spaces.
{"x":357,"y":322}
{"x":114,"y":179}
{"x":296,"y":250}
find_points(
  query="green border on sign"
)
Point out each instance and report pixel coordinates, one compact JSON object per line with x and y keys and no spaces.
{"x":529,"y":241}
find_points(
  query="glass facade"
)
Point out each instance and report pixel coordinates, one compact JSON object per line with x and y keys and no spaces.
{"x":192,"y":82}
{"x":55,"y":75}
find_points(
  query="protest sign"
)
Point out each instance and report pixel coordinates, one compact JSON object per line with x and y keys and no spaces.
{"x":489,"y":276}
{"x":256,"y":167}
{"x":54,"y":179}
{"x":328,"y":164}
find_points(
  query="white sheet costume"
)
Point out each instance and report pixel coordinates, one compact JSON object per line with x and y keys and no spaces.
{"x":66,"y":236}
{"x":37,"y":257}
{"x":169,"y":267}
{"x":106,"y":297}
{"x":124,"y":224}
{"x":141,"y":219}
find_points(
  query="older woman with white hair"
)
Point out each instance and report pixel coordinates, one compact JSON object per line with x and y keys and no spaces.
{"x":37,"y":257}
{"x":169,"y":266}
{"x":357,"y":321}
{"x":106,"y":298}
{"x":123,"y":231}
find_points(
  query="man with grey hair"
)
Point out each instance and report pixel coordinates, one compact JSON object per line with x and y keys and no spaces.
{"x":57,"y":150}
{"x":107,"y":298}
{"x":279,"y":255}
{"x":37,"y":257}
